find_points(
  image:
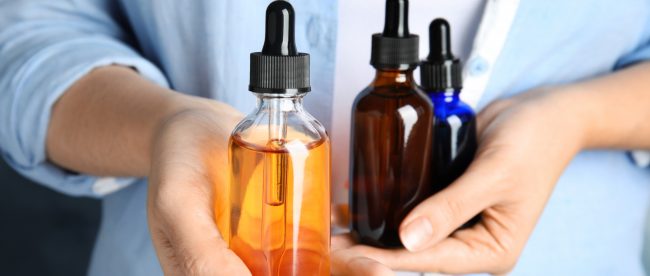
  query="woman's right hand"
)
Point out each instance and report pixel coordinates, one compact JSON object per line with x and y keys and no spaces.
{"x":188,"y":170}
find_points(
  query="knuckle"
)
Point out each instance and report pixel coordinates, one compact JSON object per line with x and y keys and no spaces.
{"x":499,"y":104}
{"x":500,"y":256}
{"x":157,"y":209}
{"x":451,"y":210}
{"x":505,"y":263}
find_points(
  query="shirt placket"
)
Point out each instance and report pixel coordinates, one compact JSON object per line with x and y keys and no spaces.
{"x":489,"y":41}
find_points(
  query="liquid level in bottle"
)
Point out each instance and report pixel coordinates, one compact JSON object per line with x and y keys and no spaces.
{"x":279,"y":206}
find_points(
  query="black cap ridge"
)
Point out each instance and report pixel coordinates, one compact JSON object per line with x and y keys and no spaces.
{"x":441,"y":70}
{"x":279,"y":68}
{"x":396,"y":47}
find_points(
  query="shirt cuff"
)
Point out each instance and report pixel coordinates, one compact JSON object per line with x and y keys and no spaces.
{"x":641,"y":158}
{"x":640,"y":54}
{"x":35,"y":86}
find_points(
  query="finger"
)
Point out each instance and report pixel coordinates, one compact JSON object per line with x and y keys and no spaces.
{"x":438,"y":216}
{"x":350,"y":262}
{"x":183,"y":230}
{"x":468,"y":251}
{"x":342,"y":242}
{"x":190,"y":244}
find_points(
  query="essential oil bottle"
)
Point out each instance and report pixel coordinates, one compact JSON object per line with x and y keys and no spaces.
{"x":390,"y":137}
{"x":454,"y":141}
{"x":279,"y":216}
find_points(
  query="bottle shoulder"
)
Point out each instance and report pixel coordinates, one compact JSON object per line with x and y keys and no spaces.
{"x":257,"y":129}
{"x":377,"y":98}
{"x":443,"y":112}
{"x":447,"y":105}
{"x":277,"y":146}
{"x":461,"y":108}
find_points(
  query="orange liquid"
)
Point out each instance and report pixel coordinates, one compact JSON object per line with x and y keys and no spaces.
{"x":279,"y":212}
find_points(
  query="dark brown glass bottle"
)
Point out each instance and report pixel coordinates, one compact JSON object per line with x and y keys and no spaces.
{"x":391,"y":128}
{"x":391,"y":134}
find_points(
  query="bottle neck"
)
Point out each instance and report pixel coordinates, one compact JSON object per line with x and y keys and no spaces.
{"x":277,"y":108}
{"x":449,"y":96}
{"x":385,"y":77}
{"x":279,"y":102}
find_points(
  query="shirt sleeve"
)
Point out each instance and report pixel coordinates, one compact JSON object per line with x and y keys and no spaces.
{"x":640,"y":53}
{"x":45,"y":46}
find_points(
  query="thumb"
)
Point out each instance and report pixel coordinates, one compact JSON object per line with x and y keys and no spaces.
{"x":441,"y":214}
{"x":348,"y":261}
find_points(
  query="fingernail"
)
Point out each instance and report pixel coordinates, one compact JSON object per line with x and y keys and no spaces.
{"x":415,"y":234}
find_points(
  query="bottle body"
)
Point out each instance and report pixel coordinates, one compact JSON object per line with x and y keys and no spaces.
{"x":279,"y":193}
{"x":454,"y":142}
{"x":390,"y":155}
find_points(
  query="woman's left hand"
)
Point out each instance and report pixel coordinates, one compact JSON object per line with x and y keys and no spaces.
{"x":525,"y":144}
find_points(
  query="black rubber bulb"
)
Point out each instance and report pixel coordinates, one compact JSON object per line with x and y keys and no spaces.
{"x":397,"y":19}
{"x":280,"y":30}
{"x":440,"y":41}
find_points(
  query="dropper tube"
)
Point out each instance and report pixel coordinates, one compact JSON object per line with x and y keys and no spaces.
{"x":275,"y":165}
{"x":278,"y":44}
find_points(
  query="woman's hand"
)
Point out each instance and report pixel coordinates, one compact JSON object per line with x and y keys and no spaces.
{"x":525,"y":144}
{"x":114,"y":122}
{"x":189,"y":167}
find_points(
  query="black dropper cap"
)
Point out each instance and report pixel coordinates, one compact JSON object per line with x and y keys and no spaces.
{"x":279,"y":68}
{"x":395,"y":48}
{"x":441,"y":70}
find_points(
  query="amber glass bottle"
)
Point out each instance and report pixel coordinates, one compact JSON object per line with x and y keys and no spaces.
{"x":278,"y":220}
{"x":391,"y":136}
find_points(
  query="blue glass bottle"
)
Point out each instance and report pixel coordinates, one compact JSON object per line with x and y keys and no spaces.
{"x":454,"y":140}
{"x":455,"y":143}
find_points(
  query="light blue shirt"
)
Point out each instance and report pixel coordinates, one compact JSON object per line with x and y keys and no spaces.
{"x":593,"y":224}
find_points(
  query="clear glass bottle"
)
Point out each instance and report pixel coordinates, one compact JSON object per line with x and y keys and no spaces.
{"x":279,"y":213}
{"x":391,"y":137}
{"x":280,"y":204}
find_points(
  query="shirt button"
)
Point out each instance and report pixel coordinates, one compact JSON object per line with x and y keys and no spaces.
{"x":478,"y":66}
